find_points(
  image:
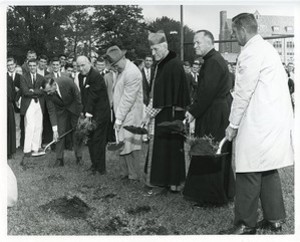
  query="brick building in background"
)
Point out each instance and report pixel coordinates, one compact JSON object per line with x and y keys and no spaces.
{"x":267,"y":26}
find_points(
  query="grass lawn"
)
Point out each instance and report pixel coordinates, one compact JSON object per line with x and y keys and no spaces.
{"x":111,"y":206}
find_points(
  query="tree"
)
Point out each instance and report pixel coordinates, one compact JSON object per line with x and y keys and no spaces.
{"x":78,"y":31}
{"x":172,"y":30}
{"x":121,"y":25}
{"x":38,"y":28}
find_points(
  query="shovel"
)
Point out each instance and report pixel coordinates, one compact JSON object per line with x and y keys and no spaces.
{"x":42,"y":153}
{"x":115,"y":145}
{"x":136,"y":130}
{"x":219,"y":151}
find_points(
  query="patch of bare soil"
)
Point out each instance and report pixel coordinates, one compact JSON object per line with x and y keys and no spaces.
{"x":68,"y":207}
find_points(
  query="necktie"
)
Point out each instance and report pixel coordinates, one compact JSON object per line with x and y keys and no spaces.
{"x":33,"y":80}
{"x":148,"y":75}
{"x":33,"y":83}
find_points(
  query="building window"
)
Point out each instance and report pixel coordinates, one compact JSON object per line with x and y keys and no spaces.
{"x":290,"y":44}
{"x":277,"y":44}
{"x":275,"y":28}
{"x":289,"y":28}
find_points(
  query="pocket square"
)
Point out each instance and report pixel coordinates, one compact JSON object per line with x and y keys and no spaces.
{"x":87,"y":86}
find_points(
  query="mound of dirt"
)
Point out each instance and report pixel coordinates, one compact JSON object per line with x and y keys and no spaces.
{"x":68,"y":207}
{"x":139,"y":210}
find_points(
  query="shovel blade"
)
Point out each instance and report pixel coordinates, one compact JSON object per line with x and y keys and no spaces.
{"x":115,"y":146}
{"x":41,"y":153}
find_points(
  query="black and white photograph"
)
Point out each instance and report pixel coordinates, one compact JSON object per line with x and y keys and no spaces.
{"x":150,"y":120}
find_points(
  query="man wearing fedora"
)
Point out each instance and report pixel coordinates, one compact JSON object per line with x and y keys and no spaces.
{"x":128,"y":108}
{"x":95,"y":107}
{"x":169,"y":97}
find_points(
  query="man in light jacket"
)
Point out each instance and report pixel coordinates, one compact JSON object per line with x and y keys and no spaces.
{"x":128,"y":108}
{"x":261,"y":122}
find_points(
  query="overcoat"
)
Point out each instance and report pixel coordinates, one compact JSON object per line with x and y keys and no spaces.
{"x":128,"y":105}
{"x":261,"y":109}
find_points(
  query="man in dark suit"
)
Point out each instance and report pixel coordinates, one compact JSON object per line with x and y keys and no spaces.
{"x":62,"y":61}
{"x":31,"y":54}
{"x":189,"y":78}
{"x":101,"y":66}
{"x":147,"y":74}
{"x":64,"y":95}
{"x":55,"y":66}
{"x":95,"y":107}
{"x":11,"y":72}
{"x":47,"y":130}
{"x":42,"y":65}
{"x":109,"y":77}
{"x":11,"y":127}
{"x":32,"y":107}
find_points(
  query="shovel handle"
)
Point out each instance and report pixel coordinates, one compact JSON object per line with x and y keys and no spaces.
{"x":219,"y":151}
{"x":53,"y":141}
{"x":117,"y":136}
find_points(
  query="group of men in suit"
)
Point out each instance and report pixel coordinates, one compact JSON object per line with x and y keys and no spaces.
{"x":58,"y":96}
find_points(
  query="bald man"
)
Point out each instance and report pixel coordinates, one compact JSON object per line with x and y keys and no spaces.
{"x":95,"y":107}
{"x":208,"y":183}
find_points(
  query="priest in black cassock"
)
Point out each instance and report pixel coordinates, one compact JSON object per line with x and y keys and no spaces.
{"x":169,"y":97}
{"x":210,"y":181}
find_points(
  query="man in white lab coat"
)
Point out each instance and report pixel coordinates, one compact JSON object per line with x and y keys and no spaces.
{"x":261,"y":122}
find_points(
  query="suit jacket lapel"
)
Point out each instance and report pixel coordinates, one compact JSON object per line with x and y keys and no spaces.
{"x":62,"y":90}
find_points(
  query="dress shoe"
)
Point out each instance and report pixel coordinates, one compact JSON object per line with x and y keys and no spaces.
{"x":123,"y":178}
{"x":239,"y":230}
{"x":155,"y":191}
{"x":275,"y":226}
{"x":59,"y":162}
{"x":27,"y":154}
{"x":102,"y":172}
{"x":96,"y":172}
{"x":91,"y":168}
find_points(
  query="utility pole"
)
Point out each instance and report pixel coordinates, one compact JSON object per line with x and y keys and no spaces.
{"x":181,"y":33}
